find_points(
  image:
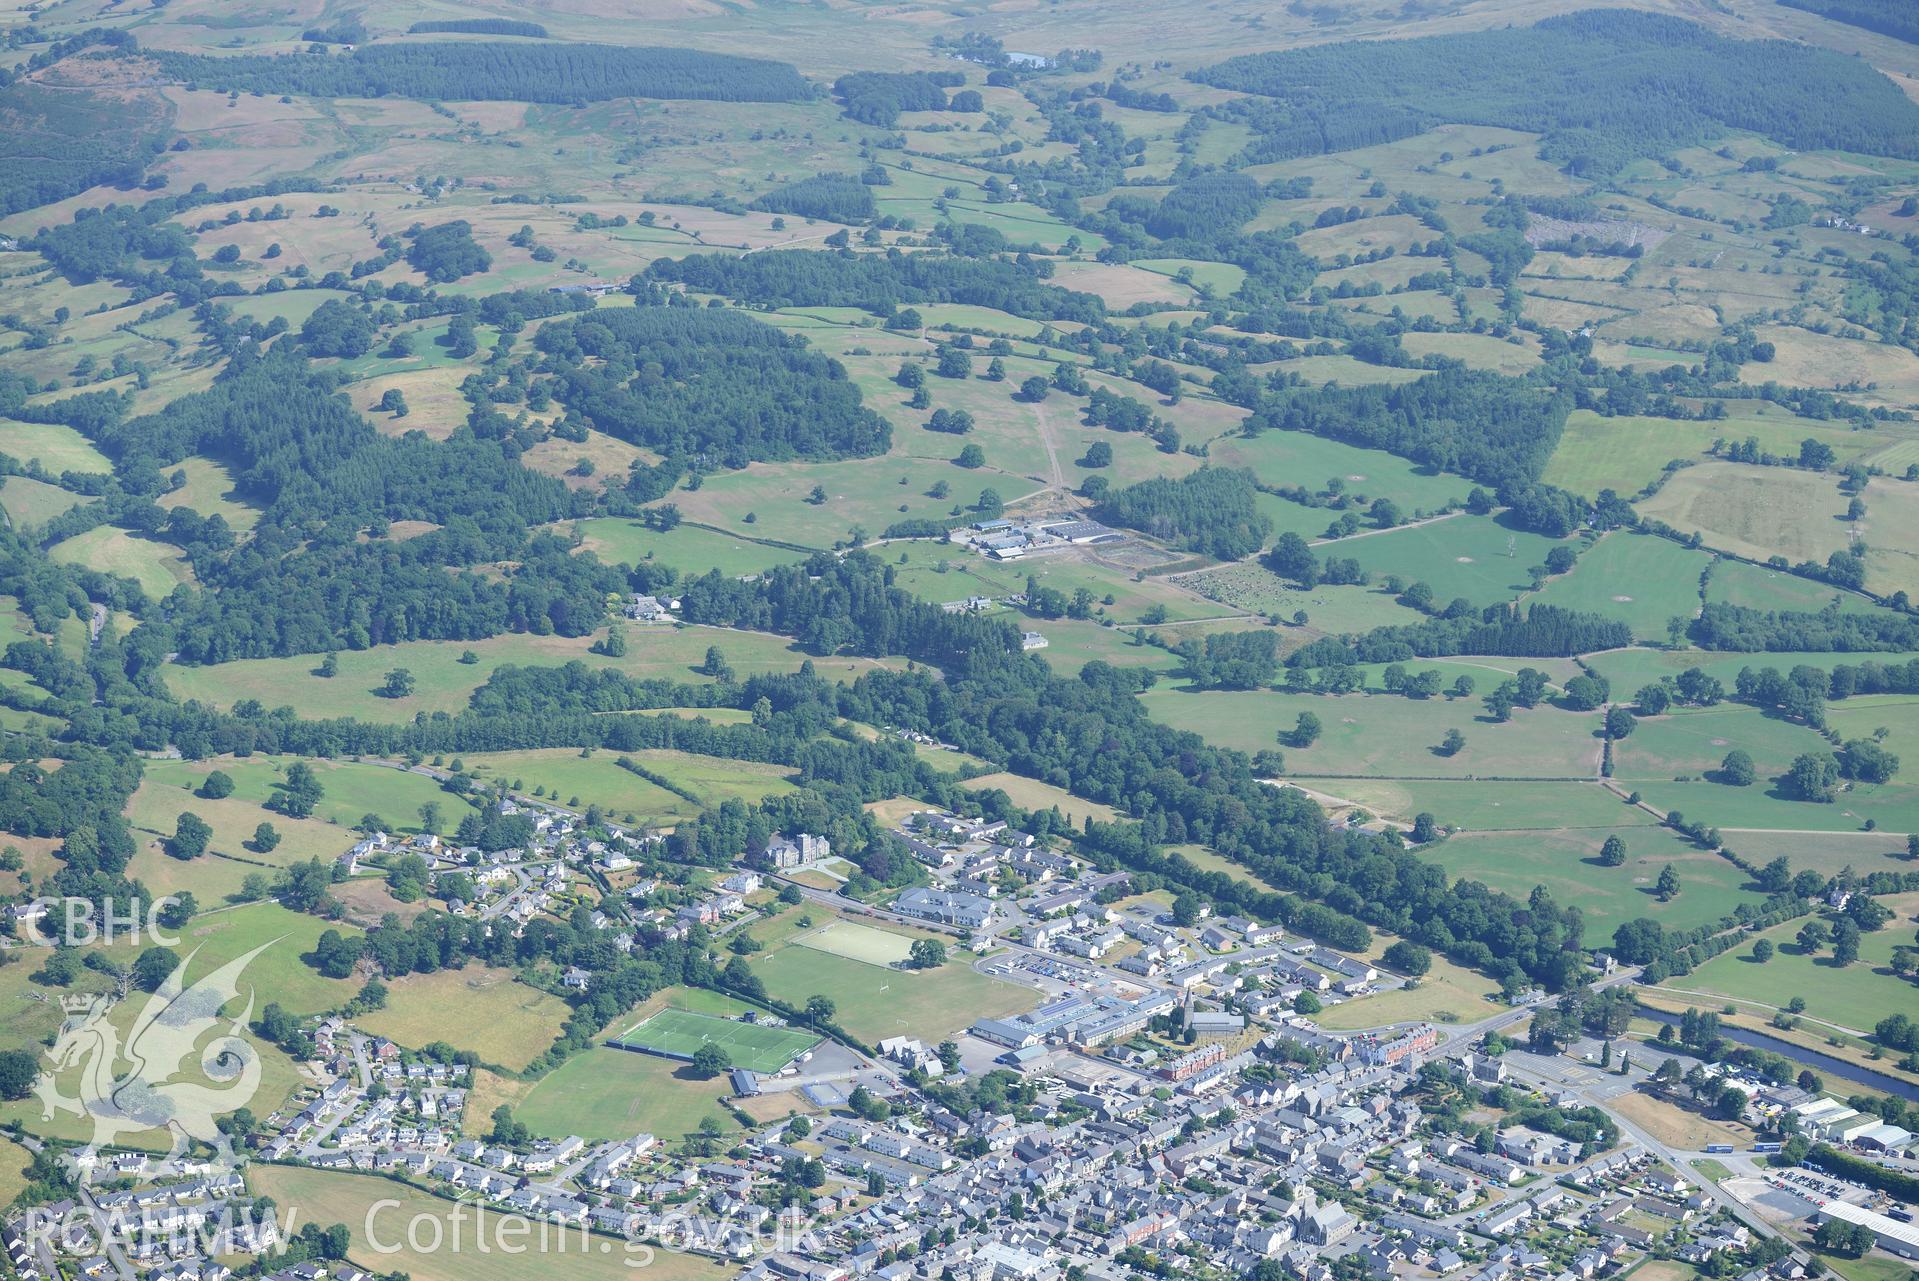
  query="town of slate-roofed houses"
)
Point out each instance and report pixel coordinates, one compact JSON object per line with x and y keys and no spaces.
{"x":1160,"y":1104}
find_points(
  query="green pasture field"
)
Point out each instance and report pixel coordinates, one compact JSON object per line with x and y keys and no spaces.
{"x":279,"y":973}
{"x":1120,"y":284}
{"x":1297,"y":458}
{"x":690,"y":549}
{"x":679,"y":1033}
{"x":1071,"y":644}
{"x":1628,"y":669}
{"x":209,"y":490}
{"x":1420,"y":304}
{"x":966,"y":316}
{"x":1828,"y":853}
{"x":30,"y":1011}
{"x":1891,"y":532}
{"x":1447,"y":993}
{"x":863,"y":493}
{"x":916,"y":569}
{"x":928,"y":1004}
{"x":1224,"y":277}
{"x":1032,"y":794}
{"x":1486,"y":671}
{"x":1893,"y":806}
{"x":1807,"y":359}
{"x":1855,"y":996}
{"x":1894,"y":718}
{"x":381,"y":1210}
{"x":1638,"y":579}
{"x":1479,"y":351}
{"x":1738,"y":582}
{"x":858,"y":942}
{"x":1637,"y":355}
{"x":14,"y":1161}
{"x":1625,"y":454}
{"x":166,"y":792}
{"x":1330,"y":609}
{"x":1388,"y":273}
{"x":279,"y":1078}
{"x":29,"y":502}
{"x":477,"y":1008}
{"x":1690,"y":742}
{"x":1461,"y":555}
{"x":604,"y":1094}
{"x":156,"y":566}
{"x":1756,"y":512}
{"x":351,"y":790}
{"x":1566,"y":862}
{"x":1311,"y":523}
{"x":444,"y":684}
{"x":212,"y":880}
{"x":1398,"y":232}
{"x":1388,"y":735}
{"x":1491,"y":806}
{"x":598,"y":780}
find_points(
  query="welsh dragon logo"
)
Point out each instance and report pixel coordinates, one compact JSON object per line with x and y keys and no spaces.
{"x":182,"y":1063}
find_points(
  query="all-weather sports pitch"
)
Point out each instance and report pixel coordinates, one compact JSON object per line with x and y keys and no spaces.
{"x":678,"y":1034}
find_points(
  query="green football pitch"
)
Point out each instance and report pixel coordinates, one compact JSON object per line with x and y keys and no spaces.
{"x":679,"y":1033}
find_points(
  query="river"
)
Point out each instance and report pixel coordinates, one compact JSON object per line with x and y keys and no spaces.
{"x":1823,"y":1063}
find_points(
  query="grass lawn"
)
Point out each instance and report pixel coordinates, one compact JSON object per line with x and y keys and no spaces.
{"x":1640,"y":580}
{"x":1387,"y":735}
{"x":605,"y":1093}
{"x":1856,"y":996}
{"x":928,"y":1004}
{"x":477,"y":1008}
{"x":1566,"y":862}
{"x":682,"y":1033}
{"x":859,"y":943}
{"x":1871,"y":1267}
{"x":325,"y":1196}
